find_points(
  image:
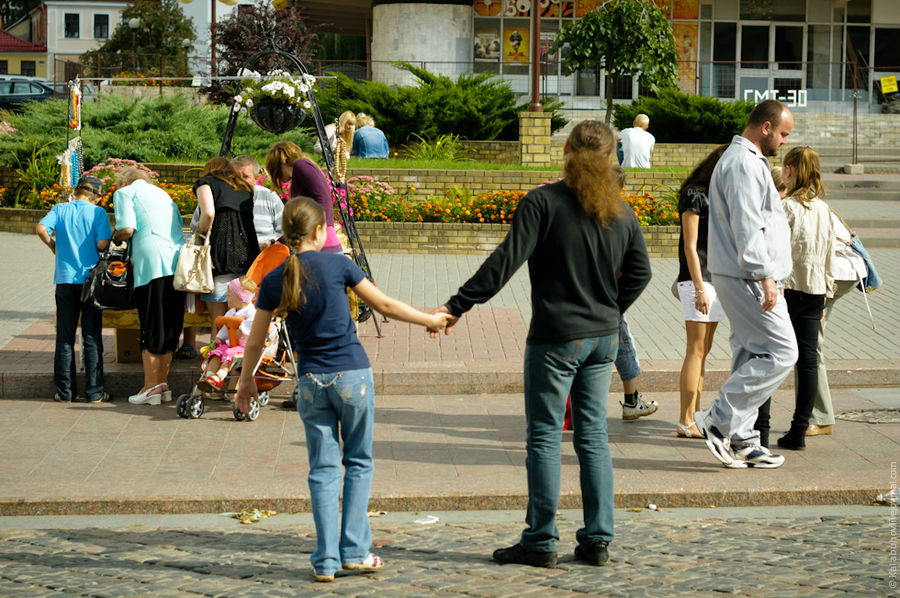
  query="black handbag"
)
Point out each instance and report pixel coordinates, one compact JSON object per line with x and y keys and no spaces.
{"x":110,"y":284}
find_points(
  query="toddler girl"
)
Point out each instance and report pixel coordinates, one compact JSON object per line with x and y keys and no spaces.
{"x":240,"y":305}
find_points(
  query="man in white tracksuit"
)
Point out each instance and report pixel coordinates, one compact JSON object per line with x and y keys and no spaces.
{"x":749,"y":254}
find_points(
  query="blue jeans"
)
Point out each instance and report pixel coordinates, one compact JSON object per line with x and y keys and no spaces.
{"x":69,"y":310}
{"x":339,"y":403}
{"x":627,"y":363}
{"x":582,"y":368}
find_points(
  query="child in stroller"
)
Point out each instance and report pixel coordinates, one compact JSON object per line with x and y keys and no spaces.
{"x":224,"y":363}
{"x":240,"y":303}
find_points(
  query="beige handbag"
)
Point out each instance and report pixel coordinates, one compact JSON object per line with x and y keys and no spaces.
{"x":193,"y":272}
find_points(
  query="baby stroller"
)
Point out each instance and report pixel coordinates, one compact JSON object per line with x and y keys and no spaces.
{"x":276,"y":365}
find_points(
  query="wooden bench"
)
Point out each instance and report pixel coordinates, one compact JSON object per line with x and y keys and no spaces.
{"x":127,"y":331}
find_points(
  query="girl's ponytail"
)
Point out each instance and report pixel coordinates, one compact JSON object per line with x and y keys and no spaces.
{"x":301,"y":217}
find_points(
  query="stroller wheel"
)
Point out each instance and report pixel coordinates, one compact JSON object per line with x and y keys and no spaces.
{"x":181,"y":406}
{"x":263,"y":399}
{"x":195,"y":406}
{"x":252,"y":415}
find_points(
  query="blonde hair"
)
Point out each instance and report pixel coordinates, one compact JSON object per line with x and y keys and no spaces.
{"x":248,"y":283}
{"x":130,"y":175}
{"x":642,"y":120}
{"x":807,"y":183}
{"x":283,"y":153}
{"x":346,"y":127}
{"x":589,"y":173}
{"x":778,"y":178}
{"x":301,"y":216}
{"x":363,"y":119}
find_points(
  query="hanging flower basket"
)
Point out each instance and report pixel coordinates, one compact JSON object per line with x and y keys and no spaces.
{"x":277,"y":101}
{"x":275,"y":116}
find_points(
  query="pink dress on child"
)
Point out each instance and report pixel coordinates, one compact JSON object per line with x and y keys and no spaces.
{"x":224,"y":352}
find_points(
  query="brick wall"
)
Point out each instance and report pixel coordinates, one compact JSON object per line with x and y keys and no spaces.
{"x":499,"y":152}
{"x":20,"y":220}
{"x":430,"y":183}
{"x":412,"y":237}
{"x":534,"y":138}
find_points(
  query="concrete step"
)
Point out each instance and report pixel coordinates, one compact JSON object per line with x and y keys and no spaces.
{"x":440,"y":378}
{"x":868,"y":194}
{"x":882,"y":238}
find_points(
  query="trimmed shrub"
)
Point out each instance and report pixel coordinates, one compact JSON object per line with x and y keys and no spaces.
{"x":157,"y":129}
{"x":481,"y":106}
{"x":677,"y":117}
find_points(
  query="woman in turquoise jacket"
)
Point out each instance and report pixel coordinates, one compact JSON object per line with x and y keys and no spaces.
{"x":150,"y":220}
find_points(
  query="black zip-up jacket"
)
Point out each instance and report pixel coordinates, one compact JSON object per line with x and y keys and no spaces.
{"x":573,"y":263}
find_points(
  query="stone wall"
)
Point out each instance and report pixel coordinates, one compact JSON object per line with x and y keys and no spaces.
{"x":416,"y":237}
{"x":499,"y":152}
{"x":423,"y":184}
{"x":403,"y":237}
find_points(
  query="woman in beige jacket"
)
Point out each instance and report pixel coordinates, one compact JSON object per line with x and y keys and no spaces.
{"x":810,"y":281}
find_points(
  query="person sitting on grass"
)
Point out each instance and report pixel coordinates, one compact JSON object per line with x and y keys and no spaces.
{"x":220,"y":358}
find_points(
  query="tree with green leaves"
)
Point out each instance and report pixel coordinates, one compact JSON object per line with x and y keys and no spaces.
{"x":624,"y":38}
{"x":257,"y":27}
{"x":161,"y":32}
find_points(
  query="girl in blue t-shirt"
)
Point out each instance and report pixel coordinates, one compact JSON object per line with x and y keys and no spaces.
{"x":334,"y":393}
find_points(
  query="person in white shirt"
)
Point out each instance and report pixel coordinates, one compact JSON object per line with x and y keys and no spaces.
{"x":637,"y":143}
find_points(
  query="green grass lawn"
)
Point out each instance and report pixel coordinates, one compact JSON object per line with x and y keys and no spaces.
{"x":411,"y":164}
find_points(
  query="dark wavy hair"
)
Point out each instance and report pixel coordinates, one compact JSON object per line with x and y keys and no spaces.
{"x":589,"y":172}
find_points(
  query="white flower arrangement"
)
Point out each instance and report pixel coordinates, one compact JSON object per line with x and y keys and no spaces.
{"x":278,"y":85}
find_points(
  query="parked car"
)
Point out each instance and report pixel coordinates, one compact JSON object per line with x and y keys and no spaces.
{"x":15,"y":91}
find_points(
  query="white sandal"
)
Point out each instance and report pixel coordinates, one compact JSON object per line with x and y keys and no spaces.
{"x":371,"y":563}
{"x":685,"y":431}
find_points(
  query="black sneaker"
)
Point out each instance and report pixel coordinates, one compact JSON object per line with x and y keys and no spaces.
{"x":289,"y":404}
{"x":520,"y":555}
{"x":595,"y":554}
{"x":59,"y":399}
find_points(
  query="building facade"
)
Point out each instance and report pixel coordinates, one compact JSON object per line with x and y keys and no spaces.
{"x":814,"y":53}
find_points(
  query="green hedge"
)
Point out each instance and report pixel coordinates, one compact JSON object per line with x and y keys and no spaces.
{"x":157,"y":129}
{"x":677,"y":117}
{"x":481,"y":106}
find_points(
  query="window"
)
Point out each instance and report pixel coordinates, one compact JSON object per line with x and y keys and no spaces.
{"x":4,"y":67}
{"x":101,"y":26}
{"x":887,"y":48}
{"x":72,"y":25}
{"x":28,"y":68}
{"x":754,"y":46}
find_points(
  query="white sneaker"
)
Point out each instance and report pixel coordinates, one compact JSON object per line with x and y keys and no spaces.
{"x":641,"y":408}
{"x":756,"y":456}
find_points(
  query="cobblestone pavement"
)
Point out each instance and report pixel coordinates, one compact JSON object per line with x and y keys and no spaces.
{"x":805,"y":551}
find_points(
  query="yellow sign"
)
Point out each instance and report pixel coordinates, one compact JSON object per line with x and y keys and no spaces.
{"x":889,"y":84}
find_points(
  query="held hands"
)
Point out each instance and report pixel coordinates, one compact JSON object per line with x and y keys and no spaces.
{"x":770,"y":294}
{"x":448,"y":321}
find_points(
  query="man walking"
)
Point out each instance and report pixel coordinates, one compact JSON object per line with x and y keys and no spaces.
{"x":749,"y":254}
{"x":637,"y":143}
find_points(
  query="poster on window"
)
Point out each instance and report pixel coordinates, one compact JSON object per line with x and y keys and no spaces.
{"x":487,"y":45}
{"x":488,"y":8}
{"x":686,"y":47}
{"x":686,"y":9}
{"x":515,"y":44}
{"x":582,"y":7}
{"x":516,"y":8}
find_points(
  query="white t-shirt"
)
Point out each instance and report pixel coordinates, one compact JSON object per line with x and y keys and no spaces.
{"x":636,"y":147}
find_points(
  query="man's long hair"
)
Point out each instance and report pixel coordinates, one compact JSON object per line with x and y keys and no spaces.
{"x":589,"y":172}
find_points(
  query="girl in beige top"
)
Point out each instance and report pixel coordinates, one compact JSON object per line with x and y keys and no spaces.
{"x":810,"y":280}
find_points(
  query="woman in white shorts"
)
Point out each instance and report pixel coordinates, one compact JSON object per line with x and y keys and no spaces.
{"x":702,"y":311}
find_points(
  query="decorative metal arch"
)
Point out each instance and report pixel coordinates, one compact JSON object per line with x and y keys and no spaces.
{"x":359,"y":254}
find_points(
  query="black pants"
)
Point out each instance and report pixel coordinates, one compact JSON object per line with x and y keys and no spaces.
{"x":805,"y":311}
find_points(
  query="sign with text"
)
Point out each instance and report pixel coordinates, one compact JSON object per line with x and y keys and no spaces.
{"x":889,"y":84}
{"x":791,"y":97}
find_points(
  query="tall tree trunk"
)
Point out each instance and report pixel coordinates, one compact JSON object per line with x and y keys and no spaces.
{"x":609,"y":98}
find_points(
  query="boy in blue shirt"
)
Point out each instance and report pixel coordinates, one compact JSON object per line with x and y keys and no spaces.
{"x":80,"y":230}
